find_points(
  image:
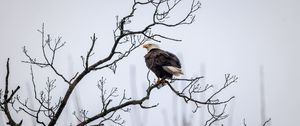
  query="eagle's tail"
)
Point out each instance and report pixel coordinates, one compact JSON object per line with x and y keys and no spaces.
{"x":173,"y":70}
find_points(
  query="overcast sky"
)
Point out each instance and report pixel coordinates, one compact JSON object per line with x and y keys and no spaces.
{"x":240,"y":37}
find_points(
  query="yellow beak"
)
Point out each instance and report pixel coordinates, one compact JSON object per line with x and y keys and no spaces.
{"x":145,"y":45}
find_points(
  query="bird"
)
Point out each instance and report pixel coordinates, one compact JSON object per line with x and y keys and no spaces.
{"x":162,"y":63}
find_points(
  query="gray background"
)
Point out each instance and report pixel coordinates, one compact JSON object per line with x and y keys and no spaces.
{"x":240,"y":37}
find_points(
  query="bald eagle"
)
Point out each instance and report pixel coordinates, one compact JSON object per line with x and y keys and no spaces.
{"x":162,"y":63}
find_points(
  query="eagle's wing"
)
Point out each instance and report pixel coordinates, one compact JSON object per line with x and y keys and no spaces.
{"x":165,"y":58}
{"x":163,"y":63}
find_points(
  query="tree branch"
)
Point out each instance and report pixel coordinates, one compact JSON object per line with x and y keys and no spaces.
{"x":119,"y":107}
{"x":7,"y":100}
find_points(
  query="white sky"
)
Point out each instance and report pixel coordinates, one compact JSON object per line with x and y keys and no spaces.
{"x":234,"y":36}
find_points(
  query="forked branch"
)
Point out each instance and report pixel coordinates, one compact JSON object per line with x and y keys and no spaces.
{"x":7,"y":99}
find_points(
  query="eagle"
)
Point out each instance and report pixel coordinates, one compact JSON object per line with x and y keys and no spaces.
{"x":162,"y":63}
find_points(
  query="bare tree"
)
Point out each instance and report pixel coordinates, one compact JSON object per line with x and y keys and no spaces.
{"x":49,"y":111}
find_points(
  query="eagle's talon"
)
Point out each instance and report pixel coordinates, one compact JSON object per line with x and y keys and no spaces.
{"x":158,"y":81}
{"x":163,"y":81}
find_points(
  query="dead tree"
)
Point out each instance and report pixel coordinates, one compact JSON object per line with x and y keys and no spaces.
{"x":49,"y":111}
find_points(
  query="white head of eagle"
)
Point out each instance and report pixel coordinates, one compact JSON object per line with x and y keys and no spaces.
{"x":162,"y":63}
